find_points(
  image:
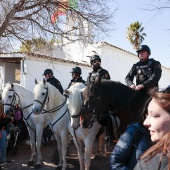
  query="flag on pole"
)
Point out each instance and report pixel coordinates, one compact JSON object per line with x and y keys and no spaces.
{"x":73,"y":4}
{"x":62,"y":7}
{"x":54,"y":17}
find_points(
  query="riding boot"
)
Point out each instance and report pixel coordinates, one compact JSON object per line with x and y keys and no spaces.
{"x":110,"y":136}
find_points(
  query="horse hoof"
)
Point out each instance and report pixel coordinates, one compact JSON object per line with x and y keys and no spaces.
{"x":37,"y":166}
{"x":30,"y":163}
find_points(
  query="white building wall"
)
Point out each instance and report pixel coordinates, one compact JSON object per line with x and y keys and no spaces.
{"x":61,"y":71}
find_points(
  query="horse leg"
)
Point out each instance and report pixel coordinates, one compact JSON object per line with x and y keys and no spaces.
{"x":80,"y":153}
{"x":88,"y":150}
{"x":58,"y":139}
{"x":102,"y":145}
{"x":32,"y":143}
{"x":64,"y":140}
{"x":39,"y":132}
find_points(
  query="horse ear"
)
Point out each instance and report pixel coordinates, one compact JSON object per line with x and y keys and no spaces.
{"x":44,"y":81}
{"x":36,"y":81}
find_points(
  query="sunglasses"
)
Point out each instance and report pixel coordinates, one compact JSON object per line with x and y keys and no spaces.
{"x":96,"y":61}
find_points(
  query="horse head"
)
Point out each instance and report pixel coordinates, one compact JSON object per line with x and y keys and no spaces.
{"x":93,"y":105}
{"x":74,"y":101}
{"x":9,"y":98}
{"x":40,"y":96}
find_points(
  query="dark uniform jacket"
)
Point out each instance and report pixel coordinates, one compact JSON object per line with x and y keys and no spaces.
{"x":147,"y":73}
{"x":95,"y":73}
{"x":56,"y":83}
{"x":131,"y":145}
{"x":153,"y":164}
{"x":79,"y":80}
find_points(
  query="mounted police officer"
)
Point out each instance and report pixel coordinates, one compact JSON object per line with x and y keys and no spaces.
{"x":95,"y":62}
{"x":48,"y":73}
{"x":76,"y":76}
{"x":147,"y":72}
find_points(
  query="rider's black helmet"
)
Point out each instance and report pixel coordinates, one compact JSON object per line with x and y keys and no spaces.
{"x":48,"y":71}
{"x":76,"y":70}
{"x":144,"y":48}
{"x":94,"y":57}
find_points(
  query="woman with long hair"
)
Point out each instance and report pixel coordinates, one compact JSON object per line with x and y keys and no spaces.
{"x":158,"y":123}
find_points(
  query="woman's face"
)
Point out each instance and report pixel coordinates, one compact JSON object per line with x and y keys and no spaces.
{"x":157,"y":121}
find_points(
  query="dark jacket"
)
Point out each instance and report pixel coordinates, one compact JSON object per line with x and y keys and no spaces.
{"x":153,"y":164}
{"x":131,"y":145}
{"x":147,"y":73}
{"x":4,"y":121}
{"x":56,"y":83}
{"x":79,"y":80}
{"x":104,"y":74}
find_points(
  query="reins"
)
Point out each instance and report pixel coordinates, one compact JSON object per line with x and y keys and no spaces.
{"x":104,"y":115}
{"x":77,"y":140}
{"x":57,"y":119}
{"x":53,"y":109}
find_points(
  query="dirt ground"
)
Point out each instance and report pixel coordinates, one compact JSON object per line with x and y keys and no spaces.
{"x":19,"y":161}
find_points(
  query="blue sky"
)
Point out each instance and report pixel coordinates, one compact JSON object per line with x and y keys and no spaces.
{"x":156,"y":27}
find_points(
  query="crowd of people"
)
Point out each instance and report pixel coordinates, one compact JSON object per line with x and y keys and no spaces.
{"x":144,"y":145}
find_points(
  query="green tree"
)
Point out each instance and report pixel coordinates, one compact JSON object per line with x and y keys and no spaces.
{"x":135,"y":34}
{"x":34,"y":43}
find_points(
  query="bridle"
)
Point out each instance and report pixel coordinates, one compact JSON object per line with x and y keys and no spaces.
{"x":44,"y":101}
{"x":14,"y":102}
{"x":14,"y":99}
{"x":51,"y":110}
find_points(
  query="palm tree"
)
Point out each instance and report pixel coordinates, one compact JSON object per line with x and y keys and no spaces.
{"x":135,"y":34}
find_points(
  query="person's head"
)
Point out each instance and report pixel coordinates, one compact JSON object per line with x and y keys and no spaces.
{"x":48,"y":73}
{"x":158,"y":117}
{"x":95,"y":61}
{"x":143,"y":52}
{"x":76,"y":72}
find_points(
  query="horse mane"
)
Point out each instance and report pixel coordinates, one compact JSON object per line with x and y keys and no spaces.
{"x":115,"y":89}
{"x":21,"y":89}
{"x":75,"y":97}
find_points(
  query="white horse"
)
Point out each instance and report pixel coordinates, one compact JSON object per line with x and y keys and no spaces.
{"x":15,"y":93}
{"x":48,"y":97}
{"x":83,"y":136}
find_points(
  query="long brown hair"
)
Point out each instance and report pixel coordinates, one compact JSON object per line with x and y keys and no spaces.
{"x":163,"y":147}
{"x":1,"y":109}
